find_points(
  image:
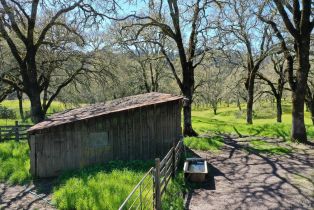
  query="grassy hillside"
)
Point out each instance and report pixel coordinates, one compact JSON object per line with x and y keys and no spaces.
{"x":231,"y":120}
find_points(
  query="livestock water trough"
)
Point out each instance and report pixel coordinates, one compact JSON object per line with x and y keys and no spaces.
{"x":195,"y":169}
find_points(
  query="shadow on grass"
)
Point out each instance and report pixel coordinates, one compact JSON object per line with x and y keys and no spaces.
{"x":137,"y":166}
{"x":203,"y":124}
{"x":213,"y":144}
{"x":260,"y":146}
{"x":274,"y":130}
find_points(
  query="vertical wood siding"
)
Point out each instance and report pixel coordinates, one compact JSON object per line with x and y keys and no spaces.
{"x":142,"y":133}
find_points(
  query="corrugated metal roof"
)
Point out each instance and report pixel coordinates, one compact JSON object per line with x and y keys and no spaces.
{"x":99,"y":109}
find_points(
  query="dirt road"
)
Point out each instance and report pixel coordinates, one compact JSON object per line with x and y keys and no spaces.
{"x":251,"y":180}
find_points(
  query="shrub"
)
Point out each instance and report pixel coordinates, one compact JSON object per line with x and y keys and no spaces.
{"x":6,"y":113}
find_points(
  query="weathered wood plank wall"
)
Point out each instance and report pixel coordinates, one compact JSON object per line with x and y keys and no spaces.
{"x":141,"y":133}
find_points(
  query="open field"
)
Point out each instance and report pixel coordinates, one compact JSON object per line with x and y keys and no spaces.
{"x":231,"y":120}
{"x":14,"y":105}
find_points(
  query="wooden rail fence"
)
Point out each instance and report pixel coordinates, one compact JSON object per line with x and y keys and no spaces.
{"x":147,"y":194}
{"x":14,"y":132}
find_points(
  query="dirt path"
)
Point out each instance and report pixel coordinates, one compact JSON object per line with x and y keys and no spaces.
{"x":25,"y":197}
{"x":243,"y":180}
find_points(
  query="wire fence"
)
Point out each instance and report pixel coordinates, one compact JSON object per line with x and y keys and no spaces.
{"x":147,"y":194}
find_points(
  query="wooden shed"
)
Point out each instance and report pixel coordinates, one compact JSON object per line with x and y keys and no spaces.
{"x":138,"y":127}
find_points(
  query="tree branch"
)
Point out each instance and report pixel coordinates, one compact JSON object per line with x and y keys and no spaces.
{"x":9,"y":11}
{"x":52,"y":22}
{"x":286,"y":19}
{"x":62,"y":85}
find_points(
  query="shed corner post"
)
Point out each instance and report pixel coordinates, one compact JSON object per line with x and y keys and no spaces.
{"x":32,"y":154}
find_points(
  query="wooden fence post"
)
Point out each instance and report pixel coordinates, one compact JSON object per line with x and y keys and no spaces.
{"x":17,"y":136}
{"x":157,"y":184}
{"x":174,"y":160}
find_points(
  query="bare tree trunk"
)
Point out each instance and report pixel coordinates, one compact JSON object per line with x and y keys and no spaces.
{"x":301,"y":31}
{"x":249,"y":110}
{"x":188,"y":85}
{"x":187,"y":110}
{"x":298,"y":131}
{"x":37,"y":113}
{"x":250,"y":100}
{"x":20,"y":98}
{"x":187,"y":115}
{"x":279,"y":109}
{"x":187,"y":90}
{"x":32,"y":87}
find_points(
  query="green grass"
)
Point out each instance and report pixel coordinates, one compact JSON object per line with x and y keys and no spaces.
{"x":99,"y":187}
{"x":102,"y":186}
{"x":56,"y":106}
{"x":173,"y":197}
{"x":213,"y":144}
{"x":230,"y":119}
{"x":14,"y":105}
{"x":14,"y":162}
{"x":261,"y":146}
